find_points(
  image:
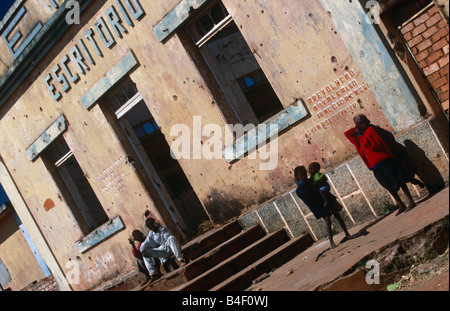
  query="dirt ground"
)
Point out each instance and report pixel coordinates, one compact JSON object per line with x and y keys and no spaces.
{"x":389,"y":239}
{"x":430,"y":276}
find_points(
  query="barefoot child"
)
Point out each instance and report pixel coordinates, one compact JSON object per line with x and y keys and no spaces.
{"x":380,"y":159}
{"x":311,"y":196}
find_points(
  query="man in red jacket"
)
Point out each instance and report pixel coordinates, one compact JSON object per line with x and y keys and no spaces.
{"x":377,"y":156}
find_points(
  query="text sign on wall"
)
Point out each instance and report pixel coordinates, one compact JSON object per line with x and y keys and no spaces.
{"x":111,"y":25}
{"x":19,"y":27}
{"x":112,"y":178}
{"x":335,"y":100}
{"x":12,"y":39}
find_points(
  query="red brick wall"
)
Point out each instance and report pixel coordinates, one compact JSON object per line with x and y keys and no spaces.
{"x":47,"y":284}
{"x":428,"y":38}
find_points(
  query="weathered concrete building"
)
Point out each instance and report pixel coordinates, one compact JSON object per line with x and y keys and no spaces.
{"x":20,"y":262}
{"x":90,"y":108}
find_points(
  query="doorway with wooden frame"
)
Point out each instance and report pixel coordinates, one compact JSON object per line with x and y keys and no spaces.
{"x":153,"y":153}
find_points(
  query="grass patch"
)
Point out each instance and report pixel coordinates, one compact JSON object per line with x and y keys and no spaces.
{"x":389,"y":208}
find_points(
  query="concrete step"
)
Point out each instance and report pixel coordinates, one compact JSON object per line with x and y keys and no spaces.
{"x":236,"y":263}
{"x":208,"y":241}
{"x":223,"y":252}
{"x":274,"y":259}
{"x":209,"y":260}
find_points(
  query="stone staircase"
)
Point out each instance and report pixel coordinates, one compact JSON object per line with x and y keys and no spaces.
{"x":230,"y":258}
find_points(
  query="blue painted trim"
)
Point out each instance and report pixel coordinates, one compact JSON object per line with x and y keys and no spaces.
{"x":175,"y":18}
{"x":105,"y":33}
{"x":18,"y":35}
{"x":5,"y":277}
{"x":263,"y":132}
{"x":55,"y":5}
{"x":125,"y":65}
{"x":46,"y":138}
{"x":100,"y":234}
{"x":114,"y":20}
{"x":88,"y":35}
{"x":51,"y":87}
{"x":12,"y":10}
{"x":139,"y":10}
{"x":33,"y":248}
{"x":377,"y":66}
{"x":36,"y":50}
{"x":73,"y":77}
{"x":78,"y":59}
{"x":124,"y":13}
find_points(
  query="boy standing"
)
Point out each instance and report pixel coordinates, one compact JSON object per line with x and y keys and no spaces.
{"x":311,"y":196}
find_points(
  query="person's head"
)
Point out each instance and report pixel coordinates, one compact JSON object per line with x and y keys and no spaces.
{"x":361,"y":123}
{"x":151,"y":224}
{"x":147,"y":214}
{"x":314,"y":168}
{"x":138,"y":236}
{"x":300,"y":173}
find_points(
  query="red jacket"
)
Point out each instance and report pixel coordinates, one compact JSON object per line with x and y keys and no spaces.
{"x":137,"y":252}
{"x":372,"y":149}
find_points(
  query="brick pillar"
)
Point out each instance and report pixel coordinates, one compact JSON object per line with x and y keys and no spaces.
{"x":427,"y":36}
{"x":44,"y":285}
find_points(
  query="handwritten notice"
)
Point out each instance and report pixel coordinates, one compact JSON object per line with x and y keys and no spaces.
{"x":335,"y":100}
{"x":112,"y":178}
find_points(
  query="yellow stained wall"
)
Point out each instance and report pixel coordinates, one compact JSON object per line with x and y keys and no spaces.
{"x":35,"y":11}
{"x":295,"y":42}
{"x":16,"y":255}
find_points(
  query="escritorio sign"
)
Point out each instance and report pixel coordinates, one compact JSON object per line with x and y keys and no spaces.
{"x":107,"y":27}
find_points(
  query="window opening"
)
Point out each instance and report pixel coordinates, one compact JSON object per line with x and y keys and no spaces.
{"x":232,"y":63}
{"x":78,"y":186}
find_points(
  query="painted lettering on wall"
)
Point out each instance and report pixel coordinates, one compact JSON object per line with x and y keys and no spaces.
{"x":17,"y":40}
{"x":112,"y":178}
{"x":103,"y":34}
{"x":335,"y":100}
{"x":13,"y":39}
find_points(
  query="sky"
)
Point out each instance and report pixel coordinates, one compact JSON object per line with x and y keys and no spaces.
{"x":4,"y":7}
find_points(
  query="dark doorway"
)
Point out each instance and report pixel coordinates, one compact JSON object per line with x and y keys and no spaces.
{"x":154,"y":153}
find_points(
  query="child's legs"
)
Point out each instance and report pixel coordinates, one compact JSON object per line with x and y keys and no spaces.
{"x":151,"y":265}
{"x":335,"y":210}
{"x":398,"y":200}
{"x":328,"y":227}
{"x":324,"y":197}
{"x":411,"y":202}
{"x":341,"y":223}
{"x":142,"y":267}
{"x":402,"y":206}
